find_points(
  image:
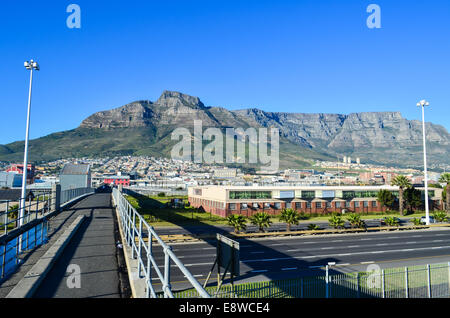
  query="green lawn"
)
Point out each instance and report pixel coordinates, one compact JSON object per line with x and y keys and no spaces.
{"x":154,"y":211}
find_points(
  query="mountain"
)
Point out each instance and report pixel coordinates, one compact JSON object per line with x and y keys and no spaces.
{"x":145,"y":127}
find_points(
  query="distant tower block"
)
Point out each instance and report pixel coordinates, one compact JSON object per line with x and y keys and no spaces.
{"x":358,"y":161}
{"x":345,"y":159}
{"x":349,"y":160}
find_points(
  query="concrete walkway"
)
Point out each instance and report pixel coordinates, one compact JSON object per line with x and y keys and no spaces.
{"x":91,"y":252}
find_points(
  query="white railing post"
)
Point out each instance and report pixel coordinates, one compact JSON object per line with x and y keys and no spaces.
{"x":428,"y":281}
{"x":406,"y":283}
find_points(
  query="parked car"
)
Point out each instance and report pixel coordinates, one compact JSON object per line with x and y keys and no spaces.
{"x":423,"y":220}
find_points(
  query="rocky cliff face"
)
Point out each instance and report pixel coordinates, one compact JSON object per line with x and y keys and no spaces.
{"x":144,"y":127}
{"x":384,"y":137}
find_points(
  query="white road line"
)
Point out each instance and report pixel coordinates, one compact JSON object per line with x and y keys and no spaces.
{"x":289,"y":268}
{"x":344,"y":264}
{"x":416,"y":236}
{"x":378,"y":252}
{"x":368,"y":262}
{"x":352,"y":246}
{"x":436,"y":247}
{"x":319,"y":266}
{"x":393,"y":237}
{"x":208,"y":248}
{"x":411,"y":242}
{"x":276,"y":244}
{"x":438,"y":241}
{"x":382,"y":244}
{"x":346,"y":254}
{"x":338,"y":241}
{"x":260,"y":271}
{"x":327,"y":248}
{"x":407,"y":250}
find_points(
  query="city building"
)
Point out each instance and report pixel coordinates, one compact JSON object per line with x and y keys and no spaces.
{"x":117,"y":180}
{"x":18,"y":168}
{"x":248,"y":200}
{"x":73,"y":176}
{"x":10,"y":179}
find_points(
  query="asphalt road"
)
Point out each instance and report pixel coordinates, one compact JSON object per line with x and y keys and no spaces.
{"x":280,"y":258}
{"x":275,"y":227}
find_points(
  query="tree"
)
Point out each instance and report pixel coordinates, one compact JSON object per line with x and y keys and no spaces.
{"x":355,"y":221}
{"x":289,"y":216}
{"x":402,"y":183}
{"x":336,"y":222}
{"x":445,"y":178}
{"x":238,"y":222}
{"x":413,"y":198}
{"x":391,"y":221}
{"x":386,"y":198}
{"x":261,"y":220}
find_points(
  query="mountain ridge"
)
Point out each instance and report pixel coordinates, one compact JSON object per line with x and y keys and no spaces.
{"x":375,"y":137}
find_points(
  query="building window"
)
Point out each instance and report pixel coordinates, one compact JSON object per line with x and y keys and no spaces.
{"x":338,"y":204}
{"x":318,"y":205}
{"x":277,"y":205}
{"x":256,"y":205}
{"x":308,"y":194}
{"x":250,"y":195}
{"x":232,"y":206}
{"x":356,"y":204}
{"x":374,"y":204}
{"x":328,"y":204}
{"x":348,"y":204}
{"x":266,"y":205}
{"x":366,"y":204}
{"x":298,"y":205}
{"x":308,"y":205}
{"x":244,"y":206}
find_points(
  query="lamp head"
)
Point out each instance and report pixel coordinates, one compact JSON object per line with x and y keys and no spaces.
{"x":423,"y":102}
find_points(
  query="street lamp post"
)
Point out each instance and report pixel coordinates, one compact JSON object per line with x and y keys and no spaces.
{"x":31,"y":65}
{"x":422,"y":104}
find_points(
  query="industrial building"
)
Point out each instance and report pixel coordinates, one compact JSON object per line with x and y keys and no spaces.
{"x":248,"y":200}
{"x":75,"y":176}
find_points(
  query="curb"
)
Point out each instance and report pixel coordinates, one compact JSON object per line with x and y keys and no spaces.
{"x":28,"y":285}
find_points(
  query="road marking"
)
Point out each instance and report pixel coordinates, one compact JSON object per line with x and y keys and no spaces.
{"x":289,"y":268}
{"x":393,"y":237}
{"x":382,"y":244}
{"x":438,"y":241}
{"x":319,"y":266}
{"x":344,"y":264}
{"x":260,"y":271}
{"x":368,"y":262}
{"x":436,"y":247}
{"x":346,"y":254}
{"x":377,"y":252}
{"x":407,"y":250}
{"x":327,"y":248}
{"x":297,"y":250}
{"x":411,"y":242}
{"x":338,"y":241}
{"x":416,"y":236}
{"x":208,"y":248}
{"x":277,"y":244}
{"x":352,"y":246}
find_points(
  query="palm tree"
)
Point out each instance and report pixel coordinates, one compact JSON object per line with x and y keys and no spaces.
{"x":289,"y":216}
{"x":238,"y":222}
{"x":261,"y":220}
{"x":402,"y":183}
{"x":355,"y":221}
{"x":336,"y":222}
{"x":445,"y":178}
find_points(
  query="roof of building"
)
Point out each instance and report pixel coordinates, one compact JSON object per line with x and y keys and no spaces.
{"x":72,"y":169}
{"x":13,"y":194}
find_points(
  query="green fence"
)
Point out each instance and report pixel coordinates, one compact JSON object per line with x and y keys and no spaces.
{"x":421,"y":281}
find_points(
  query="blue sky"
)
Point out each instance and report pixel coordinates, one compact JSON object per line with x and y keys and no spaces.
{"x":290,"y":56}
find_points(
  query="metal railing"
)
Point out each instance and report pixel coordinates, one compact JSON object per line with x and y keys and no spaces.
{"x":10,"y":217}
{"x":134,"y":229}
{"x":70,"y":194}
{"x":17,"y":235}
{"x":420,"y":281}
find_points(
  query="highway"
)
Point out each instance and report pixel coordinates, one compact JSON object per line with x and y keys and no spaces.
{"x":280,"y":258}
{"x":201,"y":229}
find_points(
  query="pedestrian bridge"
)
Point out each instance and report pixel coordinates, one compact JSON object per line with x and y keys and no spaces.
{"x":84,"y":244}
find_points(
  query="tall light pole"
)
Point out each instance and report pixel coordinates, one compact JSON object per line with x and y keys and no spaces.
{"x":422,"y":104}
{"x":31,"y":65}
